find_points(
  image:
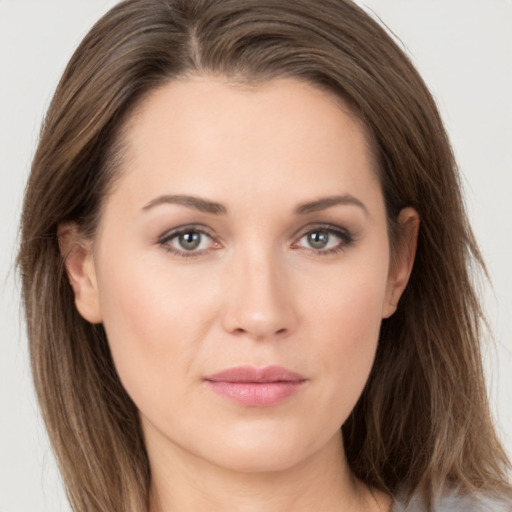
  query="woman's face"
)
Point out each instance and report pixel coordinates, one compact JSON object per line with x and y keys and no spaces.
{"x":241,"y":269}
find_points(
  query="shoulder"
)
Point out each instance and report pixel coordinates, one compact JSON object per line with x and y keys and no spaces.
{"x":457,"y":503}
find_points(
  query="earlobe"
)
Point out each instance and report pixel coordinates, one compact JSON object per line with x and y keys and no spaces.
{"x":79,"y":264}
{"x":402,"y":259}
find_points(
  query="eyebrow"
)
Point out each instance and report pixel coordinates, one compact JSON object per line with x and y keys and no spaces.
{"x":206,"y":206}
{"x":328,"y":202}
{"x":203,"y":205}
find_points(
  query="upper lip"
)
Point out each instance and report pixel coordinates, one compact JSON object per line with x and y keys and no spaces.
{"x":258,"y":375}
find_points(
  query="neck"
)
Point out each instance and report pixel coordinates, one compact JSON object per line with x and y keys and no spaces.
{"x":322,"y":483}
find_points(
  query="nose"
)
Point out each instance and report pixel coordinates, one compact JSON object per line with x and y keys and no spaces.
{"x":259,"y":300}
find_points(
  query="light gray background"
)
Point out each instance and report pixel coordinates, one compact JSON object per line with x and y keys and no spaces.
{"x":463,"y":48}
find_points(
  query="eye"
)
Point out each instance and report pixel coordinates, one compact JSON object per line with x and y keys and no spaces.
{"x":187,"y":241}
{"x":325,"y":240}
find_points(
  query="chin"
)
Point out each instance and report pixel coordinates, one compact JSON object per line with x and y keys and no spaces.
{"x":258,"y":460}
{"x":261,"y":450}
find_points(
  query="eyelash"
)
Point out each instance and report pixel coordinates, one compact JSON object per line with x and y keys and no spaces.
{"x":167,"y":237}
{"x":346,"y":239}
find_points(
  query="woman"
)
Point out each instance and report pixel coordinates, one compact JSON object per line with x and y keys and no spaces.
{"x":243,"y":230}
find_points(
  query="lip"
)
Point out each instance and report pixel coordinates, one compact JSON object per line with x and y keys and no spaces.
{"x":256,"y":387}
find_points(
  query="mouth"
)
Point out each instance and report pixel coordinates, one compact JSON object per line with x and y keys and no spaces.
{"x":256,"y":387}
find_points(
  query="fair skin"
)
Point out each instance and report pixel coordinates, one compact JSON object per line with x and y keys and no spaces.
{"x":285,"y":262}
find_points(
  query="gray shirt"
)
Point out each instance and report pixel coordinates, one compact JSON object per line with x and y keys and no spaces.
{"x":457,"y":503}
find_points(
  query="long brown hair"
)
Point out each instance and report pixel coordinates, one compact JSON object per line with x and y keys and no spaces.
{"x":422,"y":423}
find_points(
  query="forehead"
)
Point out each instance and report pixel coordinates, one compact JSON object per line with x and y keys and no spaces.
{"x":202,"y":132}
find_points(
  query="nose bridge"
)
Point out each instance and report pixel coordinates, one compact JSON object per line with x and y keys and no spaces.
{"x":259,"y":300}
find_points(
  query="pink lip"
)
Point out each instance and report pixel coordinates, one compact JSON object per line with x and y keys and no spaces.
{"x":256,"y":387}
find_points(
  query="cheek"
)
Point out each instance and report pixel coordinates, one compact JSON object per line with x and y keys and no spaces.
{"x":346,"y":303}
{"x":154,"y":323}
{"x":344,"y":322}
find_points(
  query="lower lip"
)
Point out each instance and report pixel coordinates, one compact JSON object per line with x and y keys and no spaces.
{"x":256,"y":394}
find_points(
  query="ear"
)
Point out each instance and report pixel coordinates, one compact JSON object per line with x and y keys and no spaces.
{"x":402,"y":259}
{"x":78,"y":259}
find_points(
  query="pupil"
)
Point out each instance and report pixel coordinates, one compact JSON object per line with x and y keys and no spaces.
{"x":318,"y":239}
{"x":190,"y":240}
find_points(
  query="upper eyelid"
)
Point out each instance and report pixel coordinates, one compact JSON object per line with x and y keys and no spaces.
{"x":183,"y":229}
{"x":331,"y":228}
